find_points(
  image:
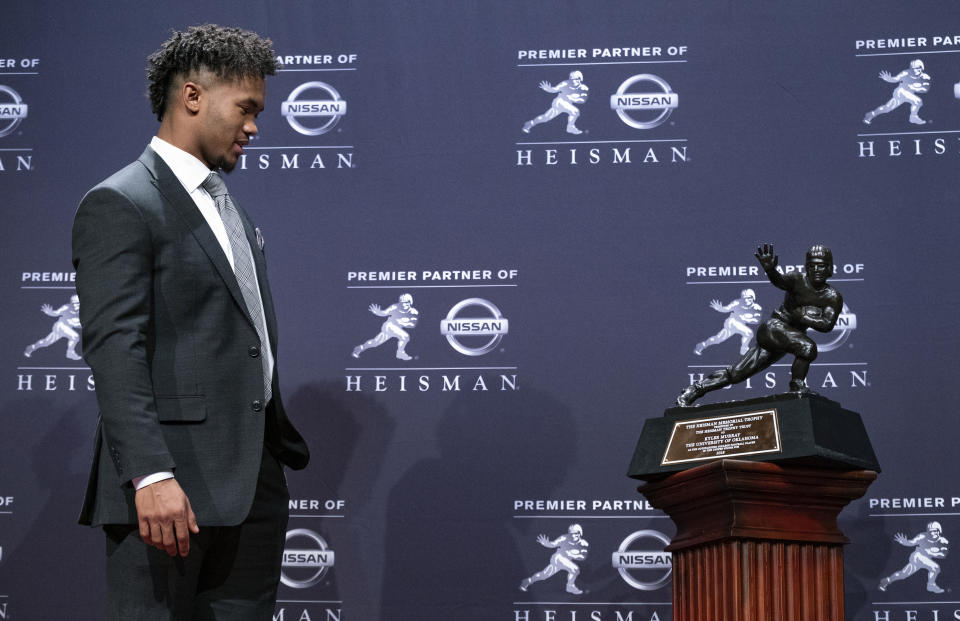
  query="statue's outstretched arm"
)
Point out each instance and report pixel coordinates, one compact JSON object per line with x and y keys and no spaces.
{"x":768,"y":261}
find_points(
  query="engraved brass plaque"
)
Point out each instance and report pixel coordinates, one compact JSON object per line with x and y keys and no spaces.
{"x":733,"y":435}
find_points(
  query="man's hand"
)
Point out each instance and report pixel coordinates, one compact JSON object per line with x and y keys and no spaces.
{"x":165,"y":517}
{"x":768,"y":260}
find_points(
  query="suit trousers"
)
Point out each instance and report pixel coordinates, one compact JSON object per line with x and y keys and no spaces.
{"x":231,"y":572}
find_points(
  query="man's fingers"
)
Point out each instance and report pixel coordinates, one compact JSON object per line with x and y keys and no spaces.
{"x":151,"y":534}
{"x":183,"y":537}
{"x":156,"y":534}
{"x":169,"y":540}
{"x":165,"y":517}
{"x":145,"y":531}
{"x":192,"y":520}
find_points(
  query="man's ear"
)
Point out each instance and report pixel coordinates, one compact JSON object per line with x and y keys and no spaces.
{"x":190,"y":95}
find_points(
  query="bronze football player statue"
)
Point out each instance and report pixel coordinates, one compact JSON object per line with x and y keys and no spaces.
{"x":809,"y":303}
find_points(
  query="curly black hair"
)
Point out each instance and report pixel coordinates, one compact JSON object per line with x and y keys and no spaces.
{"x":231,"y":53}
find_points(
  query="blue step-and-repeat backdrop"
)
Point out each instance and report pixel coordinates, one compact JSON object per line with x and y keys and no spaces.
{"x":573,"y":184}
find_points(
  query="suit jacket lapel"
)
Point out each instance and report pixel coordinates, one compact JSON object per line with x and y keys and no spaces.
{"x":178,"y":198}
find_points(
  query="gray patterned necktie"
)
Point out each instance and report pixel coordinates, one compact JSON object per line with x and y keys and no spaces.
{"x":242,"y":265}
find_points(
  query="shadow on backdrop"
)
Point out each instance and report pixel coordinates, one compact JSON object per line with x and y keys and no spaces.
{"x":45,"y":544}
{"x":347,"y":439}
{"x":451,"y":550}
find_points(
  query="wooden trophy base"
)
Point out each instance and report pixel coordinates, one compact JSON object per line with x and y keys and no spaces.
{"x":757,"y":541}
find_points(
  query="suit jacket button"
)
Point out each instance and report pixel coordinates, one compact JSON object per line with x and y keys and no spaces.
{"x":254,"y":351}
{"x":256,"y":406}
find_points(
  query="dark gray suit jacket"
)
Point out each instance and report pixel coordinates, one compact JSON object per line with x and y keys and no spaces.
{"x":174,"y":354}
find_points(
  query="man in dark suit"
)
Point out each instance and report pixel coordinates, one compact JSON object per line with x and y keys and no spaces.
{"x":180,"y":333}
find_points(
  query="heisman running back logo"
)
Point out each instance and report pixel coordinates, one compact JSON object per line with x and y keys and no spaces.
{"x":744,"y":312}
{"x":569,"y":547}
{"x":570,"y":93}
{"x":928,"y":547}
{"x":400,"y":317}
{"x":67,"y":326}
{"x":911,"y":82}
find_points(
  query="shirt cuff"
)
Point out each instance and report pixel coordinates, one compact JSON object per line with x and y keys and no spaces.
{"x":141,"y":482}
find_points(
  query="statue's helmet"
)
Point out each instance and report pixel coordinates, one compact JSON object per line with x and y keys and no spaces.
{"x":406,"y":298}
{"x":916,"y":64}
{"x":576,"y":75}
{"x":74,"y":299}
{"x":748,"y":293}
{"x":822,"y":253}
{"x":575,"y":529}
{"x":935,"y":526}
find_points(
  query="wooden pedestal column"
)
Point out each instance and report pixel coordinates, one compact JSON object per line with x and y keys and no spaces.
{"x":757,"y":541}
